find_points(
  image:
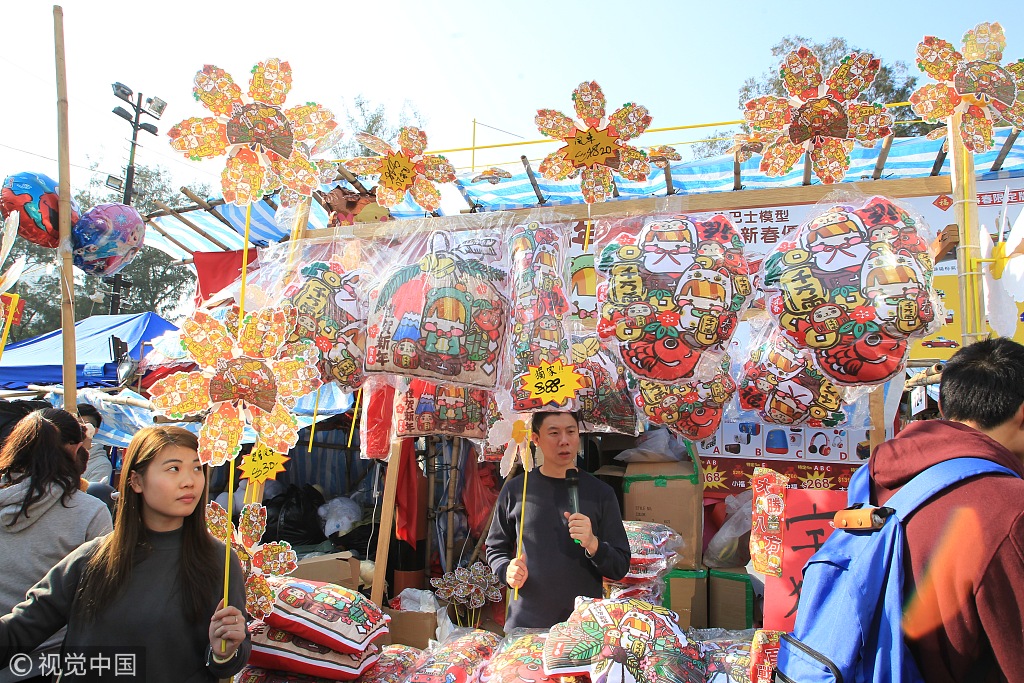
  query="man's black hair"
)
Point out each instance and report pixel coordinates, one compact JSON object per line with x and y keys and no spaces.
{"x":86,"y":410}
{"x":983,"y":383}
{"x":539,"y":417}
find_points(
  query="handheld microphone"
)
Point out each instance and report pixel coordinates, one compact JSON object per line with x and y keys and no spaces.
{"x":572,"y":481}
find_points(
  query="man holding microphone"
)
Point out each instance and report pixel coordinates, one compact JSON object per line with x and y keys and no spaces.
{"x":573,"y":536}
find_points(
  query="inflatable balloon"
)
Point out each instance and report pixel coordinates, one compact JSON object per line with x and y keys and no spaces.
{"x":106,"y":238}
{"x":34,"y":197}
{"x":691,"y":408}
{"x":853,"y":285}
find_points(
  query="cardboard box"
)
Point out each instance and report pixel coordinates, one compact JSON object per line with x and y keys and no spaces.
{"x":338,"y":568}
{"x":669,"y":493}
{"x":414,"y":629}
{"x":686,"y":594}
{"x":730,"y":599}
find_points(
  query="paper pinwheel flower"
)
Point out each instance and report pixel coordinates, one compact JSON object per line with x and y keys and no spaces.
{"x":406,"y":169}
{"x":596,"y":145}
{"x":258,"y":560}
{"x":491,"y":175}
{"x":254,"y":377}
{"x":267,"y":147}
{"x":472,"y":586}
{"x":7,"y":280}
{"x":746,"y":145}
{"x":971,"y":82}
{"x":660,"y":155}
{"x":821,"y":116}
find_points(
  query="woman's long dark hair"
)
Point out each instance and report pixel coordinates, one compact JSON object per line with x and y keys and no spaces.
{"x":34,"y":451}
{"x":110,"y":569}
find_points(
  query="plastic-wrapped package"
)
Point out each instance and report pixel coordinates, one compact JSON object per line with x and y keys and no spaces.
{"x":690,"y":408}
{"x":726,"y":653}
{"x":780,"y":382}
{"x":395,"y":662}
{"x":853,"y":285}
{"x":519,"y":659}
{"x":675,"y":289}
{"x":605,"y":404}
{"x":339,"y":515}
{"x":376,"y":424}
{"x":457,"y":658}
{"x":730,"y":546}
{"x":540,"y":309}
{"x":440,"y":308}
{"x":425,"y":408}
{"x":653,"y":548}
{"x":622,"y":639}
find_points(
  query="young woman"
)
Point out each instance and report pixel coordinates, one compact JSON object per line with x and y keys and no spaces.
{"x":154,"y":584}
{"x":43,"y":514}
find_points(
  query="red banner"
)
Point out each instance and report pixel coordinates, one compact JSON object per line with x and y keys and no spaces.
{"x":728,"y":476}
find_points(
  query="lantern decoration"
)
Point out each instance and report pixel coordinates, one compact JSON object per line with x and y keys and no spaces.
{"x":443,"y":317}
{"x":971,"y":82}
{"x":107,"y":238}
{"x":781,"y":383}
{"x":822,"y":116}
{"x":258,"y":560}
{"x":33,"y":196}
{"x":853,"y":285}
{"x":690,"y":408}
{"x":405,"y":170}
{"x":672,"y":292}
{"x":252,"y":378}
{"x":595,"y":145}
{"x":267,"y":147}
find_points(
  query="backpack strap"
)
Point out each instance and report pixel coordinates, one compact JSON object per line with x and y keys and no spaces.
{"x":937,"y":478}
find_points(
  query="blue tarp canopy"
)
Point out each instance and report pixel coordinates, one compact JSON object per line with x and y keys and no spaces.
{"x":38,"y":360}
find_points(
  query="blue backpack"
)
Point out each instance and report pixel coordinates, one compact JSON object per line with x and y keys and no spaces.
{"x":848,"y":625}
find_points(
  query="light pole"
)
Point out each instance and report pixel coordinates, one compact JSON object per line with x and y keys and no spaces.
{"x":155,"y":108}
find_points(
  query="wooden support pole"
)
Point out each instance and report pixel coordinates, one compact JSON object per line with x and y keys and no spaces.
{"x":199,"y":231}
{"x":348,"y":177}
{"x":270,"y":202}
{"x":453,"y":482}
{"x":67,"y":276}
{"x":430,"y":465}
{"x":210,"y":208}
{"x":615,"y":188}
{"x":940,"y":159}
{"x":944,"y":242}
{"x":669,"y":187}
{"x":932,"y":375}
{"x":883,"y":154}
{"x":1004,"y":151}
{"x":387,"y":519}
{"x":876,"y":406}
{"x":533,"y":180}
{"x":737,"y":181}
{"x":170,"y":239}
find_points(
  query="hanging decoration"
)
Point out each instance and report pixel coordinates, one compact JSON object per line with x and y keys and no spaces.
{"x":690,"y":408}
{"x":258,"y":560}
{"x":107,"y":238}
{"x":267,"y":147}
{"x":443,"y":317}
{"x":604,"y":400}
{"x":33,"y":196}
{"x":821,"y":117}
{"x":595,"y":145}
{"x":423,"y":408}
{"x":491,"y":175}
{"x":853,"y":285}
{"x":672,"y":292}
{"x":508,"y":433}
{"x":972,"y":83}
{"x":781,"y":383}
{"x":252,"y":378}
{"x":662,"y":155}
{"x":405,"y":170}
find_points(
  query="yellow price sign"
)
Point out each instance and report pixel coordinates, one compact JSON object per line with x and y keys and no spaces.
{"x":262,"y":464}
{"x":553,"y":382}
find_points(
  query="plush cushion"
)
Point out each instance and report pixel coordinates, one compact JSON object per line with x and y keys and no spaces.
{"x":395,"y":662}
{"x":273,"y":648}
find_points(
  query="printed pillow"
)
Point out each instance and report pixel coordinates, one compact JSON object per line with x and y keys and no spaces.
{"x":255,"y":674}
{"x":395,"y":662}
{"x":325,"y":613}
{"x":457,"y":659}
{"x":273,"y":648}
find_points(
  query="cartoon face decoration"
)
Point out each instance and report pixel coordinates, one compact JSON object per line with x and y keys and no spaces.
{"x":675,"y":287}
{"x":423,"y":407}
{"x":853,"y":285}
{"x":692,"y":409}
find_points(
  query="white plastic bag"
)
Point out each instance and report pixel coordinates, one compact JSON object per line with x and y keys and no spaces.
{"x":730,"y":547}
{"x":339,"y":515}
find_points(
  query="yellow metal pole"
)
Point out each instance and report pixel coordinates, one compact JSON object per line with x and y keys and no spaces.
{"x":8,"y":319}
{"x":965,"y":197}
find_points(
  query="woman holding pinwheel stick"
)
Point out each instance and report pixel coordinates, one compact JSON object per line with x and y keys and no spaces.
{"x":152,"y":587}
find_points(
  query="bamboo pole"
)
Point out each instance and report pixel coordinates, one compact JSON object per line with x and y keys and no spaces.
{"x":387,"y":519}
{"x":876,"y":406}
{"x":67,"y":277}
{"x":965,"y":202}
{"x":170,"y":239}
{"x":453,"y":481}
{"x":193,"y":226}
{"x":206,"y":205}
{"x":430,"y":465}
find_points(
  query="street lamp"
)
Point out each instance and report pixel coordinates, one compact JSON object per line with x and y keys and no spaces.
{"x":154,"y":107}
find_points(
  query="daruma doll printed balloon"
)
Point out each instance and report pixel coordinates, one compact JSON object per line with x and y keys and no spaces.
{"x":34,"y":196}
{"x":106,"y":238}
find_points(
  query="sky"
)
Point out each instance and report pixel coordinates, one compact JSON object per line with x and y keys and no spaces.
{"x":453,"y":61}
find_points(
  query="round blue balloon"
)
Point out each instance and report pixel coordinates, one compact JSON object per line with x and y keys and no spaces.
{"x":106,"y":238}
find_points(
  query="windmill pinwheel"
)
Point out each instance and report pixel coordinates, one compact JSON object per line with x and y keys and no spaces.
{"x":405,"y":170}
{"x":10,"y":277}
{"x":267,"y":147}
{"x":822,"y":116}
{"x":971,"y":82}
{"x":596,"y":145}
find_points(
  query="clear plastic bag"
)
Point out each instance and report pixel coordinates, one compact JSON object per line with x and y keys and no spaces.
{"x":730,"y":546}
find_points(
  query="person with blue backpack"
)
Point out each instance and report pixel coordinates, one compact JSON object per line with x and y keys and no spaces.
{"x":923,"y":579}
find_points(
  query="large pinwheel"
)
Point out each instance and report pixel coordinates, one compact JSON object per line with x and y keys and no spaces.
{"x":258,"y":560}
{"x":821,"y":116}
{"x":253,"y":377}
{"x":972,"y":83}
{"x":406,"y":169}
{"x":267,"y":147}
{"x":7,"y":279}
{"x":596,"y":145}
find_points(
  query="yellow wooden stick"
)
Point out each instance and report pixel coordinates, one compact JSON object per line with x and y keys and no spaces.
{"x":522,"y":519}
{"x":245,"y":264}
{"x":586,"y":235}
{"x":355,"y":412}
{"x":227,"y":546}
{"x":312,"y":427}
{"x":11,"y":310}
